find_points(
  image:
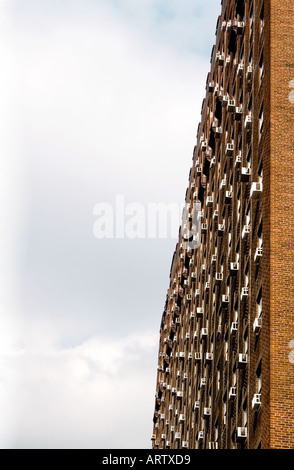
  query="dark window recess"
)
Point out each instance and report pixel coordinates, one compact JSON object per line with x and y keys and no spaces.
{"x":211,"y":142}
{"x":206,"y":167}
{"x":201,"y":193}
{"x":240,"y":8}
{"x":233,"y":42}
{"x":218,"y":110}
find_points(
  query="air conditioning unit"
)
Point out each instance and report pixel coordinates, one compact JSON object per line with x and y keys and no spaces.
{"x":218,"y":132}
{"x":240,"y":69}
{"x":234,"y":327}
{"x":178,"y":320}
{"x":181,"y":355}
{"x":199,"y":170}
{"x":218,"y":278}
{"x":170,"y":408}
{"x":193,"y":276}
{"x":213,"y":259}
{"x":241,"y":361}
{"x":197,"y":293}
{"x":245,"y":231}
{"x":228,"y":26}
{"x":256,"y":401}
{"x":177,"y":436}
{"x":162,"y":416}
{"x":167,"y":371}
{"x":203,"y":227}
{"x":174,"y":390}
{"x":204,"y":146}
{"x":208,"y":357}
{"x":190,"y":355}
{"x":204,"y":333}
{"x":153,"y":437}
{"x":258,"y":254}
{"x":185,"y":376}
{"x":220,"y":229}
{"x":223,"y":184}
{"x":234,"y":268}
{"x":213,"y":445}
{"x":187,"y":337}
{"x":206,"y":413}
{"x":238,"y":161}
{"x":200,"y":311}
{"x":220,"y":59}
{"x":209,"y":201}
{"x":200,"y":435}
{"x":244,"y":294}
{"x":224,"y":25}
{"x":156,"y":443}
{"x":241,"y":434}
{"x":256,"y":190}
{"x":185,"y":444}
{"x":245,"y":174}
{"x":196,"y":405}
{"x":203,"y":382}
{"x":182,"y":418}
{"x":207,"y":286}
{"x":257,"y":324}
{"x":229,"y":150}
{"x":248,"y":121}
{"x":238,"y":113}
{"x":225,"y":299}
{"x":186,"y":283}
{"x":219,"y":330}
{"x":167,"y":444}
{"x":231,"y":106}
{"x":228,"y":197}
{"x":249,"y":72}
{"x":189,"y":297}
{"x":180,"y":393}
{"x":232,"y":393}
{"x":225,"y":100}
{"x":215,"y":215}
{"x":163,"y":437}
{"x":240,"y":27}
{"x":211,"y":87}
{"x":197,"y":356}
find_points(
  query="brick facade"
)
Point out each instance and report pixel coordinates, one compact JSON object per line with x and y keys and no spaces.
{"x":225,"y":374}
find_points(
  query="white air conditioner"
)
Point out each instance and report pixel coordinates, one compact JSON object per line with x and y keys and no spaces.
{"x":206,"y":412}
{"x":209,"y":201}
{"x":189,"y":297}
{"x":193,"y":275}
{"x":256,"y":401}
{"x":238,"y":113}
{"x":240,"y":69}
{"x":204,"y":332}
{"x":180,"y":393}
{"x":172,"y":429}
{"x":178,"y":321}
{"x":241,"y":361}
{"x":208,"y":357}
{"x":196,"y":405}
{"x":170,"y":407}
{"x":185,"y":444}
{"x":213,"y":445}
{"x":200,"y":435}
{"x":187,"y":336}
{"x":220,"y":229}
{"x":256,"y":190}
{"x":238,"y":161}
{"x":181,"y":355}
{"x":231,"y":106}
{"x":229,"y":150}
{"x":203,"y":227}
{"x":204,"y":146}
{"x":258,"y":254}
{"x":240,"y":27}
{"x":174,"y":390}
{"x":163,"y":437}
{"x":232,"y":393}
{"x":203,"y":382}
{"x":213,"y":259}
{"x":245,"y":231}
{"x":223,"y":184}
{"x":162,"y":417}
{"x":245,"y":174}
{"x":249,"y":72}
{"x":197,"y":356}
{"x":241,"y":434}
{"x":225,"y":100}
{"x":167,"y":443}
{"x":182,"y":418}
{"x":156,"y":443}
{"x":234,"y":267}
{"x":218,"y":277}
{"x":220,"y":59}
{"x":228,"y":197}
{"x":197,"y":293}
{"x":248,"y":121}
{"x":185,"y":376}
{"x":225,"y":299}
{"x":200,"y":311}
{"x":257,"y":324}
{"x":167,"y":371}
{"x":210,"y":87}
{"x":218,"y":132}
{"x":228,"y":26}
{"x":153,"y":437}
{"x":244,"y":293}
{"x":207,"y":286}
{"x":177,"y":436}
{"x":190,"y":355}
{"x":224,"y":25}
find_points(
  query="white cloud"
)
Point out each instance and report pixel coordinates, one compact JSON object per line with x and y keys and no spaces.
{"x":81,"y":397}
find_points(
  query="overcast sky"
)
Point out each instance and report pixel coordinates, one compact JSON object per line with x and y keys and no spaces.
{"x":98,"y":98}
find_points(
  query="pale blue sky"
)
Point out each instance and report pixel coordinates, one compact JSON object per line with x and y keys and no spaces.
{"x":98,"y":98}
